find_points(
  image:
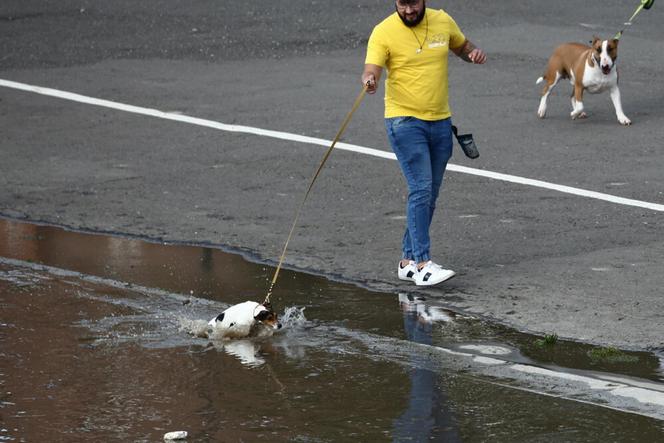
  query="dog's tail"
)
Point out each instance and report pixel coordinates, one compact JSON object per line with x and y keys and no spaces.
{"x":539,"y":80}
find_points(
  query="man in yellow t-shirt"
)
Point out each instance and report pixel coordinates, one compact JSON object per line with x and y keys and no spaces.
{"x":412,"y":44}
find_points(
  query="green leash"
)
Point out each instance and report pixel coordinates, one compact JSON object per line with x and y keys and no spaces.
{"x":645,"y":4}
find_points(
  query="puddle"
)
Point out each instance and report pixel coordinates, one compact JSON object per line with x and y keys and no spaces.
{"x":100,"y":339}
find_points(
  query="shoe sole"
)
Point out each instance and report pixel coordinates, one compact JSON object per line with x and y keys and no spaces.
{"x":428,"y":283}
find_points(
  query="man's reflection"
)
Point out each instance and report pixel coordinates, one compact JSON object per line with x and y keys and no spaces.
{"x":427,"y":417}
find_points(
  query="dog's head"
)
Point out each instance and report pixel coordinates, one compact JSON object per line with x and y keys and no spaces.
{"x":265,"y":315}
{"x":605,"y":53}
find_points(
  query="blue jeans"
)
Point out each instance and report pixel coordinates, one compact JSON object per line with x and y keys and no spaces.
{"x":423,"y":149}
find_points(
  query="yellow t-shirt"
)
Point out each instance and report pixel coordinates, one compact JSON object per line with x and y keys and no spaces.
{"x":416,"y":83}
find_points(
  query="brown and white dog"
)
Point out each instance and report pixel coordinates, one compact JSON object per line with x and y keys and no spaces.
{"x":592,"y":68}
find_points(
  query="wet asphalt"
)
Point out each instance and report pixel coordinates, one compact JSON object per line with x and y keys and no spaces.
{"x":538,"y":260}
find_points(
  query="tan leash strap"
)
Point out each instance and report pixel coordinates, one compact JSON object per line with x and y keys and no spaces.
{"x":356,"y":105}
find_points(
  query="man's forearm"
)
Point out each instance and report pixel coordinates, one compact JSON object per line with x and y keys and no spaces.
{"x":465,"y":49}
{"x":470,"y":53}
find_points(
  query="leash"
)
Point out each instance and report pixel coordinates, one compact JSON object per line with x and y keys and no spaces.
{"x":356,"y":105}
{"x":645,"y":4}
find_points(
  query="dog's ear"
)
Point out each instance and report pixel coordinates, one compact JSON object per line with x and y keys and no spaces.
{"x":263,"y":315}
{"x":595,"y":40}
{"x":615,"y":42}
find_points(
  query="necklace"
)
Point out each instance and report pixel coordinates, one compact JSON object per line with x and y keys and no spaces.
{"x":426,"y":34}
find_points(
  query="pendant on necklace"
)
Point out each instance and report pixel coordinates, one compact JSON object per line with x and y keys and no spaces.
{"x":418,"y":50}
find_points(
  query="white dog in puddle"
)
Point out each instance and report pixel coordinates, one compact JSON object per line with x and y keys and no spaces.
{"x":248,"y":319}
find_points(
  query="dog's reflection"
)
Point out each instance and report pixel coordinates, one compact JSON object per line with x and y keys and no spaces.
{"x":247,"y":351}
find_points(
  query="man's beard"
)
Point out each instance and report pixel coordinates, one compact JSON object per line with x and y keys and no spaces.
{"x":418,"y":19}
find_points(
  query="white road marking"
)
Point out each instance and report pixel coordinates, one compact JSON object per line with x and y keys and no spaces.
{"x":488,"y":360}
{"x":591,"y":382}
{"x":322,"y":142}
{"x":487,"y":349}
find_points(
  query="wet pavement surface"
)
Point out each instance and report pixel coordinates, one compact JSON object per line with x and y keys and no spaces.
{"x":99,"y":341}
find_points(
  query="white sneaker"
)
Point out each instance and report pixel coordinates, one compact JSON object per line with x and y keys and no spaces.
{"x":407,"y":272}
{"x":432,"y":274}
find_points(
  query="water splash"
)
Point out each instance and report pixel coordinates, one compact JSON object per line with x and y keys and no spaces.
{"x":193,"y":326}
{"x":293,"y":317}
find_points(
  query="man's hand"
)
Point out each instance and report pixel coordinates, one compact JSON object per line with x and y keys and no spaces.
{"x":370,"y":77}
{"x":370,"y":82}
{"x":477,"y":56}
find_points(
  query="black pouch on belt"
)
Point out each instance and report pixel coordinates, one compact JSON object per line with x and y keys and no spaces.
{"x":467,"y":144}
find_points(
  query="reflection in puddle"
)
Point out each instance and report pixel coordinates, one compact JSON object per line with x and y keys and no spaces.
{"x":247,"y":351}
{"x":425,"y":312}
{"x":102,"y":339}
{"x":428,"y":407}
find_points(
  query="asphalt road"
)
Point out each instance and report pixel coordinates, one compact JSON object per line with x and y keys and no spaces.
{"x":536,"y":259}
